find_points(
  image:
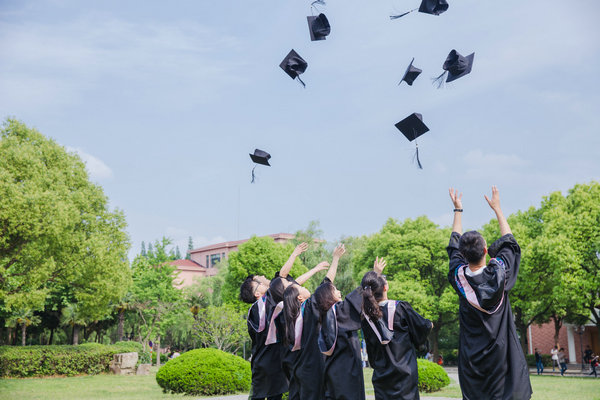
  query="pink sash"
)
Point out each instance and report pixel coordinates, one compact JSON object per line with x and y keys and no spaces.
{"x":469,"y":293}
{"x":391,"y":306}
{"x":272,"y":332}
{"x":299,"y":324}
{"x":330,"y":351}
{"x":261,"y":313}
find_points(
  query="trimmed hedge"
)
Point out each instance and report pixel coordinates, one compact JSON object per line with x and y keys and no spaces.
{"x":205,"y":372}
{"x":87,"y":358}
{"x":432,"y":377}
{"x":546,"y":360}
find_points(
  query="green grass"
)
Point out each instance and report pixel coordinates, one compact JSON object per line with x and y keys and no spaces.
{"x":145,"y":387}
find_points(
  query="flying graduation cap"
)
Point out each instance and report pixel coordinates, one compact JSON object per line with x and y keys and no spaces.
{"x":411,"y":74}
{"x":433,"y":7}
{"x":319,"y":27}
{"x":259,"y":157}
{"x":455,"y":66}
{"x":294,"y":65}
{"x":412,"y":127}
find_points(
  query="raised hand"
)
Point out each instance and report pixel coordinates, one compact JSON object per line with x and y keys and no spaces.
{"x":322,"y":266}
{"x":379,"y":265}
{"x":495,"y":201}
{"x":456,"y":198}
{"x":339,"y":251}
{"x":301,"y":248}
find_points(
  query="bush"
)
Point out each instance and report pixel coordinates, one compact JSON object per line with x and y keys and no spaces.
{"x":546,"y":360}
{"x":450,"y":357}
{"x":129,"y":347}
{"x":432,"y":377}
{"x":205,"y":372}
{"x":163,"y":358}
{"x":29,"y":361}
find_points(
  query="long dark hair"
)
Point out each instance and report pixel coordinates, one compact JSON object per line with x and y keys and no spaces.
{"x":372,"y":284}
{"x":324,"y":298}
{"x":291,"y":309}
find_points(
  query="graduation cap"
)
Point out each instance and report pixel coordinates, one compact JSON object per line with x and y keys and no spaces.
{"x":411,"y":74}
{"x":259,"y":157}
{"x":319,"y":27}
{"x":294,"y":65}
{"x":456,"y":66}
{"x":412,"y":127}
{"x":433,"y":7}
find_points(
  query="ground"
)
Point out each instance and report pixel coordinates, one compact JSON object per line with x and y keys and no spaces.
{"x":111,"y":387}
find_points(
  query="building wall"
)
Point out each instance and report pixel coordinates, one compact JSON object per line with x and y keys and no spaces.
{"x":542,"y":337}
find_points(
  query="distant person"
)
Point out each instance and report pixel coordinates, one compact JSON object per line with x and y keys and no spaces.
{"x":554,"y":353}
{"x":538,"y":362}
{"x":562,"y":361}
{"x":491,"y":363}
{"x":587,"y":355}
{"x":440,"y":360}
{"x":594,"y":365}
{"x":429,"y":356}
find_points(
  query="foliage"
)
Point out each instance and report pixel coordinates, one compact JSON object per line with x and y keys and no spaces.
{"x":88,"y":358}
{"x":221,"y":327}
{"x":417,"y":268}
{"x":163,"y":358}
{"x":546,"y":360}
{"x":58,"y":235}
{"x":205,"y":372}
{"x":432,"y":377}
{"x":258,"y":256}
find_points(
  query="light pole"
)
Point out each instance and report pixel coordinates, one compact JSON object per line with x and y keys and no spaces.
{"x":580,"y":329}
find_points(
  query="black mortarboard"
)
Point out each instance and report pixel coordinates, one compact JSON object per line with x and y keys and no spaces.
{"x":319,"y":27}
{"x":455,"y":66}
{"x":411,"y":74}
{"x":433,"y":7}
{"x":259,"y":157}
{"x":294,"y":65}
{"x":412,"y":127}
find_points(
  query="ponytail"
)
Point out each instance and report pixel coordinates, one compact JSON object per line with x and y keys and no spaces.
{"x":291,"y":309}
{"x":372,"y":285}
{"x":324,"y":298}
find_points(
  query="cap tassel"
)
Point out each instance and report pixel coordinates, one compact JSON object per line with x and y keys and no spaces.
{"x":392,"y":17}
{"x":417,"y":156}
{"x":301,"y":82}
{"x":439,"y":81}
{"x":253,"y":176}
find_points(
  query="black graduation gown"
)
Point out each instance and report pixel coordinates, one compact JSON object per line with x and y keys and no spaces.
{"x":267,"y":377}
{"x":491,"y":364}
{"x":343,"y":368}
{"x":304,"y":368}
{"x":395,"y":371}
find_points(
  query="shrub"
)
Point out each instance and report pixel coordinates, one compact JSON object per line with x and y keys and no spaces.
{"x":129,"y":347}
{"x":205,"y":372}
{"x":546,"y":360}
{"x":450,"y":357}
{"x":163,"y":358}
{"x":29,"y":361}
{"x":432,"y":377}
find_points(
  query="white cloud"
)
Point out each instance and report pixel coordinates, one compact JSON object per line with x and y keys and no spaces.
{"x":97,"y":169}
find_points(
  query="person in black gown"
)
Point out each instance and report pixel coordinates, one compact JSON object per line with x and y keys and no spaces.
{"x":268,"y":380}
{"x":302,"y":361}
{"x":338,"y":339}
{"x":491,"y":363}
{"x":392,"y":331}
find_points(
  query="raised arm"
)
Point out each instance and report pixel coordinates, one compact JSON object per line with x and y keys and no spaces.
{"x":495,"y":205}
{"x":379,"y":265}
{"x":337,"y":253}
{"x":457,"y":202}
{"x":285,"y":270}
{"x":322,"y":266}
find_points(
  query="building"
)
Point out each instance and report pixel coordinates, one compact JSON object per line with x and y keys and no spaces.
{"x":203,"y":260}
{"x":571,"y":337}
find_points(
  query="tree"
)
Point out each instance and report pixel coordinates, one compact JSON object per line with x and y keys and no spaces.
{"x":73,"y":317}
{"x":258,"y":256}
{"x":417,"y":269}
{"x":143,"y":252}
{"x":190,"y":248}
{"x":221,"y":327}
{"x":23,"y":318}
{"x":177,"y":253}
{"x":57,"y":230}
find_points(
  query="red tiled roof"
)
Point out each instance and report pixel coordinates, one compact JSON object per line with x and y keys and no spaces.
{"x":186,"y":263}
{"x":235,"y":243}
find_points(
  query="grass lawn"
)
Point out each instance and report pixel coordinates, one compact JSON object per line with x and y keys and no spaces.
{"x":146,"y":388}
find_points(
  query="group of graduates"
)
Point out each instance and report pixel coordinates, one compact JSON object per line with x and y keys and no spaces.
{"x":308,"y":345}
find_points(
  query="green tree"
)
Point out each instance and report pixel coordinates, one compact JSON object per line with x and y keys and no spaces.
{"x":143,"y":252}
{"x":189,"y":249}
{"x":177,"y":253}
{"x":73,"y":317}
{"x":223,"y":328}
{"x":57,"y":230}
{"x":417,"y":268}
{"x":23,"y":318}
{"x":258,"y":256}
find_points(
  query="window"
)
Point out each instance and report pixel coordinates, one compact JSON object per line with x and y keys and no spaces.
{"x":214,"y":258}
{"x":207,"y":265}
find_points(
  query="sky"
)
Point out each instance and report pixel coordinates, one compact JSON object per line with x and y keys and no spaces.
{"x":165,"y":100}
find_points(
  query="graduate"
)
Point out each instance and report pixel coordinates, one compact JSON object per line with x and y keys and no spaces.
{"x":392,"y":331}
{"x":302,"y":360}
{"x":491,"y":364}
{"x":268,"y":380}
{"x":338,"y":338}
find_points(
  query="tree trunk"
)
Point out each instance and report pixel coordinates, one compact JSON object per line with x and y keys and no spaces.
{"x":522,"y":329}
{"x":51,"y":336}
{"x":23,"y":333}
{"x":557,"y":326}
{"x":158,"y":351}
{"x":75,"y":334}
{"x":1,"y":332}
{"x":434,"y":335}
{"x":121,"y":324}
